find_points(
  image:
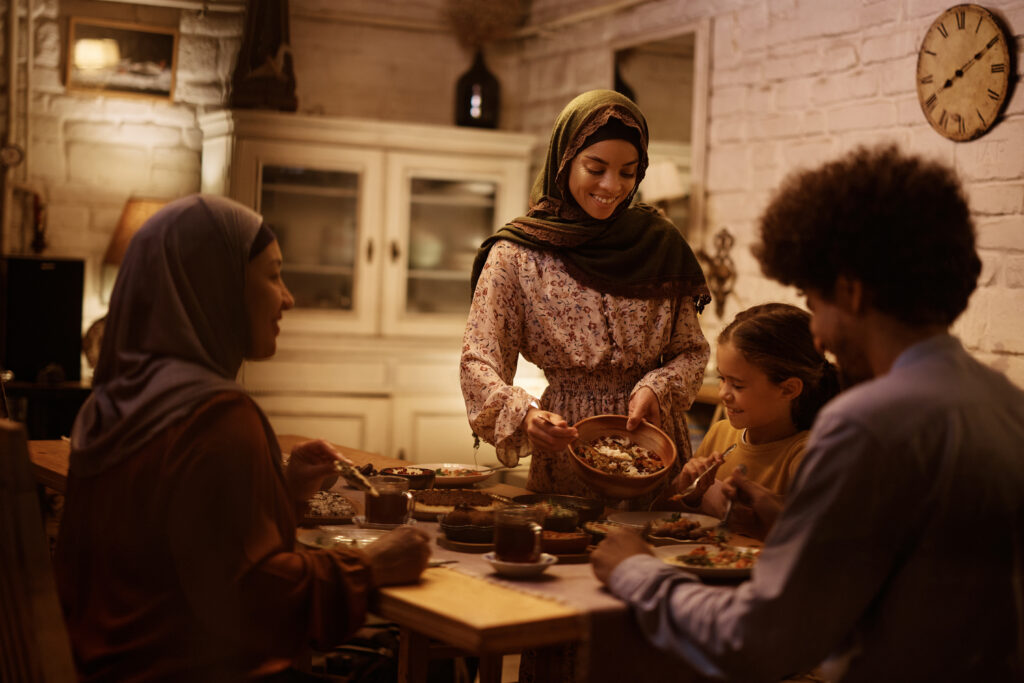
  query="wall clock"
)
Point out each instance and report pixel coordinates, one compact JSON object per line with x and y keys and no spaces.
{"x":963,"y":72}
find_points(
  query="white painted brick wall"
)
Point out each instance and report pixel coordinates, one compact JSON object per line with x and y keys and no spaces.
{"x":841,"y":73}
{"x":793,"y":83}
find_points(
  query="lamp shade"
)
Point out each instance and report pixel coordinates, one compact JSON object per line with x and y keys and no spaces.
{"x":136,"y":212}
{"x":662,"y":182}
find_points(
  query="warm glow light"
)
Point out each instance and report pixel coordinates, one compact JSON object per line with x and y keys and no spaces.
{"x":662,"y":182}
{"x":136,"y":212}
{"x":96,"y":53}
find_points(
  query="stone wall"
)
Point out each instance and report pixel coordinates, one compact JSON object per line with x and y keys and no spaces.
{"x":798,"y":82}
{"x":793,"y":83}
{"x":87,"y":153}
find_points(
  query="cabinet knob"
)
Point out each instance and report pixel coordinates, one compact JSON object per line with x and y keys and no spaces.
{"x":369,"y":251}
{"x":396,"y":252}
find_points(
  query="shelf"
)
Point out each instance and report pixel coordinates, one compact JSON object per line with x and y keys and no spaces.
{"x":317,"y":269}
{"x":311,"y":190}
{"x":438,"y":274}
{"x":453,"y":200}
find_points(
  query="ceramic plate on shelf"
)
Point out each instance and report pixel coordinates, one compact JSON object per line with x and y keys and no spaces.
{"x":450,"y":474}
{"x":710,"y":561}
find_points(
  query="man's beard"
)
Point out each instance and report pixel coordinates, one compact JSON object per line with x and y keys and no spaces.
{"x":852,"y":371}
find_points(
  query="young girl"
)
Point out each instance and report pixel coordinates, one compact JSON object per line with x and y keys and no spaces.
{"x":773,"y":382}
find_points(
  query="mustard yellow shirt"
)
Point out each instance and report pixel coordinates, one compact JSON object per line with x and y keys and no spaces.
{"x":773,"y":464}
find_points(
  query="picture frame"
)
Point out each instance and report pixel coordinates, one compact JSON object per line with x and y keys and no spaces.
{"x":121,"y":59}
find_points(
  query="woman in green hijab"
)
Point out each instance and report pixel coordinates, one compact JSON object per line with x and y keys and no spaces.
{"x":599,"y":292}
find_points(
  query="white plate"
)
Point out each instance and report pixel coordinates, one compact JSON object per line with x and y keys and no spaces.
{"x":471,"y":477}
{"x":669,"y":553}
{"x":640,"y":518}
{"x":520,"y":570}
{"x":361,"y":522}
{"x":334,"y":536}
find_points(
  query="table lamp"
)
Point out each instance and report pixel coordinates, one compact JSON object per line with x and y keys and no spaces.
{"x":662,"y":183}
{"x":137,"y":211}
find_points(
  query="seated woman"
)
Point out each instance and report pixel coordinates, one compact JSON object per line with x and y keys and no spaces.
{"x":773,"y":382}
{"x":176,"y":556}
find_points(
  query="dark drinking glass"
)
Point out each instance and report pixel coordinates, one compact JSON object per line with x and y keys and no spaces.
{"x":393,"y":504}
{"x":517,"y":533}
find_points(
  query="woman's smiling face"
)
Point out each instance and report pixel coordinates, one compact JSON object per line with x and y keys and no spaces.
{"x":602,"y":176}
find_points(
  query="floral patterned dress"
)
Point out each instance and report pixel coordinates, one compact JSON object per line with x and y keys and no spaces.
{"x":595,"y":350}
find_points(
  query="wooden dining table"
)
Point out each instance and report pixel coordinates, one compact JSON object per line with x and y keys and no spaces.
{"x":462,"y":608}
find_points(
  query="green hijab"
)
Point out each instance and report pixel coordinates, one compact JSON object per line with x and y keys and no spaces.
{"x":636,"y":252}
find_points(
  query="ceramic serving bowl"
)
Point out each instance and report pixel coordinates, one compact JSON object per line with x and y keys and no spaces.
{"x":621,"y":485}
{"x":588,"y":509}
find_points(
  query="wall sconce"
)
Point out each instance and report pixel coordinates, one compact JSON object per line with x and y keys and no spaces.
{"x":719,"y":269}
{"x":136,"y":212}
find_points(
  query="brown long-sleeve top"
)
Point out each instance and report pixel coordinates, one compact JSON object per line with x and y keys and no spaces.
{"x":178,"y":563}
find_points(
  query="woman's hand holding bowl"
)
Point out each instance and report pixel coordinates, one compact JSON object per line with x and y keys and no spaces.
{"x":643,"y":405}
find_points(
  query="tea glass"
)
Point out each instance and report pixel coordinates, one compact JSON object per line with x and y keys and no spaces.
{"x":517,"y":533}
{"x":393,"y":505}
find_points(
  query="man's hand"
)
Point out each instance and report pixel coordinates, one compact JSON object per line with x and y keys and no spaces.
{"x":757,"y":506}
{"x":548,"y":430}
{"x":309,"y":464}
{"x":399,"y":557}
{"x":643,"y":405}
{"x":616,"y":547}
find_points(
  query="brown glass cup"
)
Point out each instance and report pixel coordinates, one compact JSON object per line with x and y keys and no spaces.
{"x":517,"y":533}
{"x":393,"y":505}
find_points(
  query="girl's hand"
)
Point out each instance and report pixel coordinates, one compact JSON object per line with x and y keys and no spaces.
{"x":548,"y":430}
{"x":643,"y":405}
{"x":310,"y":463}
{"x":693,"y":469}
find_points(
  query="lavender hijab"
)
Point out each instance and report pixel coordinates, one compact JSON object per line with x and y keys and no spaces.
{"x":176,"y":332}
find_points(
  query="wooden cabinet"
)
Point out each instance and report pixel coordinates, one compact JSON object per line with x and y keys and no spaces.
{"x":379,"y":223}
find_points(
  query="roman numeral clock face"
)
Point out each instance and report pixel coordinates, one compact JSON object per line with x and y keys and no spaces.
{"x":963,"y":72}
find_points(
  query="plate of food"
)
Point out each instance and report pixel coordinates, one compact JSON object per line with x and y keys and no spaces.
{"x":453,"y":474}
{"x":711,"y":561}
{"x":683,"y":527}
{"x":334,"y":536}
{"x":430,"y":503}
{"x":328,"y":507}
{"x":640,"y":518}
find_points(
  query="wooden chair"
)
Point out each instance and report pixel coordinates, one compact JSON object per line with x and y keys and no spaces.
{"x":33,"y":639}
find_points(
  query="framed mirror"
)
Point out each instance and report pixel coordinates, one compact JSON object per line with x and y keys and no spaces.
{"x":667,"y":75}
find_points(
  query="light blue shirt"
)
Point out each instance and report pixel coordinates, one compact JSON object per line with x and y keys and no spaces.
{"x":898,"y":550}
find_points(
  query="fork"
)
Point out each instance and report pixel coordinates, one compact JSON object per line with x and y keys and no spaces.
{"x":693,"y":486}
{"x":742,"y":469}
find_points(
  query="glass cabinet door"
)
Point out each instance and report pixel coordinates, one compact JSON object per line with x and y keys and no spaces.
{"x":439,"y":210}
{"x":314,"y":214}
{"x":323,"y":205}
{"x":448,"y":219}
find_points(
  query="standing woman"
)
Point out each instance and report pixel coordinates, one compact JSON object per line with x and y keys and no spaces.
{"x":176,"y":557}
{"x":600,"y":293}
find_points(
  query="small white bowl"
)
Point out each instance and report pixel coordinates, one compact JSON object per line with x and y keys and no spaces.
{"x":521,"y":570}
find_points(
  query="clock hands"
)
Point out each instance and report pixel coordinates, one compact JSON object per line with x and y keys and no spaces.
{"x":963,"y":69}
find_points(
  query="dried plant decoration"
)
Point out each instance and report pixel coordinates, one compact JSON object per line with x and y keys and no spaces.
{"x":478,"y":22}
